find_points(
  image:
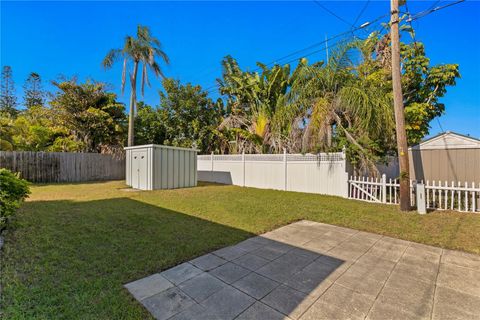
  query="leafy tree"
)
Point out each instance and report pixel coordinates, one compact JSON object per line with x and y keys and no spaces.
{"x":8,"y":100}
{"x":92,"y":119}
{"x":33,"y":91}
{"x":150,"y":124}
{"x":35,"y":130}
{"x":140,"y":50}
{"x":190,"y":117}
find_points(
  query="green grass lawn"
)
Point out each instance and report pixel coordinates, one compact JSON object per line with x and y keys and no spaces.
{"x":74,"y":246}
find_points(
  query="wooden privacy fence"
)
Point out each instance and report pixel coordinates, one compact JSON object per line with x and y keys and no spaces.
{"x":323,"y":173}
{"x":463,"y":197}
{"x":43,"y":167}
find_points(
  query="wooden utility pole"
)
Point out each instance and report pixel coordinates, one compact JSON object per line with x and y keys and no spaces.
{"x":402,"y":146}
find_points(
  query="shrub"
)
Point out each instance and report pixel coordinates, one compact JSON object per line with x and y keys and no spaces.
{"x":13,"y":191}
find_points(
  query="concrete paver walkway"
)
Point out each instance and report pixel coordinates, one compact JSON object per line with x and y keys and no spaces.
{"x":310,"y":270}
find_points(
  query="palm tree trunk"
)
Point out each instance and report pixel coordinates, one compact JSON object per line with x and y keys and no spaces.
{"x":133,"y":103}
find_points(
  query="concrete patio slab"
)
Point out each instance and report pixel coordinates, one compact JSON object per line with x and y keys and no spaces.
{"x":310,"y":270}
{"x":255,"y":285}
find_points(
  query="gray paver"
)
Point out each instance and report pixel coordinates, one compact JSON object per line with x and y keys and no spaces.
{"x":452,"y":304}
{"x":148,"y":286}
{"x":462,"y":259}
{"x":327,"y":311}
{"x":354,"y":303}
{"x":408,"y":295}
{"x":261,"y":311}
{"x":255,"y":285}
{"x":208,"y":262}
{"x":364,"y":285}
{"x":250,"y":245}
{"x":181,"y":273}
{"x":230,"y":253}
{"x":168,"y":303}
{"x":229,"y":272}
{"x":390,"y":311}
{"x":227,"y":303}
{"x":268,"y":252}
{"x":201,"y":286}
{"x":251,"y":261}
{"x":288,"y":301}
{"x":462,"y":279}
{"x":309,"y":270}
{"x":274,"y":270}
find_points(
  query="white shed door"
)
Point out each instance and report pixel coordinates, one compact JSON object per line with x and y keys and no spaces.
{"x":139,"y":170}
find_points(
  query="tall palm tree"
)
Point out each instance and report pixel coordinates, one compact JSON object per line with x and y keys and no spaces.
{"x":141,"y":50}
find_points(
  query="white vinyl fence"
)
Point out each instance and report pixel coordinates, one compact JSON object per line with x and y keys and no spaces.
{"x":440,"y":196}
{"x":323,"y":173}
{"x":327,"y":173}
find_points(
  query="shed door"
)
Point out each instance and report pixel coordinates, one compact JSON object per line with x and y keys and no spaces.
{"x":139,"y":170}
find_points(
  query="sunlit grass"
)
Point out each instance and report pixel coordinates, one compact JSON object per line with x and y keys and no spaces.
{"x":75,"y":245}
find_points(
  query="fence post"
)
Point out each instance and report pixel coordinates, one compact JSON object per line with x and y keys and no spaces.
{"x":243,"y":168}
{"x":384,"y":188}
{"x":420,"y":193}
{"x":285,"y":169}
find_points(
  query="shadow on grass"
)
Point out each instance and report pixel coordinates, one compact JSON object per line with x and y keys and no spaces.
{"x":70,"y":259}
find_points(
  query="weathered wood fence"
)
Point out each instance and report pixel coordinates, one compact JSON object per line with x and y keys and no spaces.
{"x":46,"y":167}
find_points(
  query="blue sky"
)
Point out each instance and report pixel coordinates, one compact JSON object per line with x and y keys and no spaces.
{"x":71,"y":38}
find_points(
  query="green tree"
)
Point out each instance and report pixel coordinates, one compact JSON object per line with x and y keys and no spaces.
{"x":34,"y":129}
{"x":91,"y":118}
{"x":190,"y":117}
{"x":142,"y":50}
{"x":8,"y":99}
{"x":33,"y":91}
{"x":256,"y":107}
{"x":150,"y":125}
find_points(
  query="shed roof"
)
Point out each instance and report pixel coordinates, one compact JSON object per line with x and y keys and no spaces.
{"x":448,"y":140}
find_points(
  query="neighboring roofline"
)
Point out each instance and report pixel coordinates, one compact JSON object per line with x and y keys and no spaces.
{"x":418,"y":145}
{"x":158,"y":146}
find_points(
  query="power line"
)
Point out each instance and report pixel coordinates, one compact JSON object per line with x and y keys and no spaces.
{"x":429,"y":11}
{"x":351,"y":31}
{"x":361,"y":12}
{"x":416,"y":16}
{"x":332,"y":13}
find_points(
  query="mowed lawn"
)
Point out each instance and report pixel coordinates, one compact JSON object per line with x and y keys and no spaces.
{"x":74,"y":246}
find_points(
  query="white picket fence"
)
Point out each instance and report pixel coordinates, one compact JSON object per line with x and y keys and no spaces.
{"x":438,"y":195}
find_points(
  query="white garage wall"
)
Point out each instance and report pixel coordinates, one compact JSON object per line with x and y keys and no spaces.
{"x":322,"y":173}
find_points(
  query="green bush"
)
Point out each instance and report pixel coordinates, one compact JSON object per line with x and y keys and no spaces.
{"x":13,"y":191}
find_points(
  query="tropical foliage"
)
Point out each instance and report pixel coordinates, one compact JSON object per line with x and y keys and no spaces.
{"x":343,"y":102}
{"x":140,"y":51}
{"x":328,"y":105}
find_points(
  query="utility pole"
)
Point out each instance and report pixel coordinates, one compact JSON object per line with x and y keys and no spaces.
{"x":402,"y":146}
